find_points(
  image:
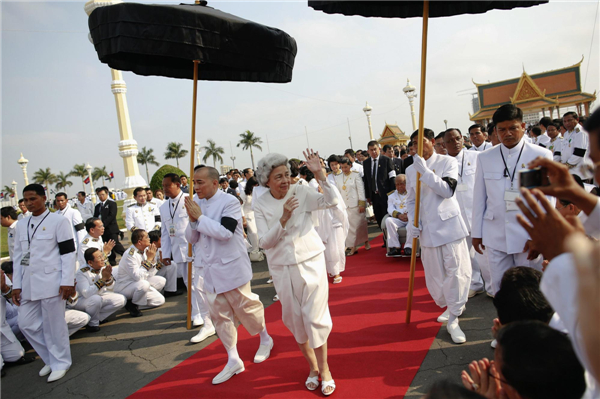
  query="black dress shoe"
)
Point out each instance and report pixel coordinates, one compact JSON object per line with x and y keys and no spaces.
{"x":92,"y":329}
{"x":173,"y":293}
{"x":21,"y":361}
{"x":407,"y":251}
{"x":133,"y":309}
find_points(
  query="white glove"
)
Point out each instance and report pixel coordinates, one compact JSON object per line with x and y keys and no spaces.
{"x":420,"y":164}
{"x":413,"y":231}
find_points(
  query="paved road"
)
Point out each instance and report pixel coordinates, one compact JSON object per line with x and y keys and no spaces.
{"x":129,"y":353}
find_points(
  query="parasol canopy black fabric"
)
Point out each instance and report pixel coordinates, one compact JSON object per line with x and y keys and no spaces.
{"x":409,"y":9}
{"x":163,"y":40}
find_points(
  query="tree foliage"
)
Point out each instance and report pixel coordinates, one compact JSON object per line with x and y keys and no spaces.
{"x":214,"y":151}
{"x":174,"y":151}
{"x":158,"y":176}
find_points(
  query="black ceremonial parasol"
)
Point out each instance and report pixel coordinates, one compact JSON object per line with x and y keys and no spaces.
{"x":409,"y":9}
{"x":171,"y":40}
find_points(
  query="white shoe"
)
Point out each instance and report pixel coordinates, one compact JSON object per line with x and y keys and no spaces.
{"x":494,"y":344}
{"x":264,"y":351}
{"x":57,"y":375}
{"x":202,"y":335}
{"x":228,"y":372}
{"x":45,"y":371}
{"x":275,"y":298}
{"x":270,"y":280}
{"x":444,"y":316}
{"x":458,"y":336}
{"x":472,"y":293}
{"x":490,"y":295}
{"x":197,"y":321}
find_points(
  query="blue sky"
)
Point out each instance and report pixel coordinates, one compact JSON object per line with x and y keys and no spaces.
{"x":57,"y":107}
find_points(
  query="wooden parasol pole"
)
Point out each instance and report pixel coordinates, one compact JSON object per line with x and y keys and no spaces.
{"x":193,"y":147}
{"x":413,"y":257}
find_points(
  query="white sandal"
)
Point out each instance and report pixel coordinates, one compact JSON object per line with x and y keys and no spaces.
{"x":337,"y":280}
{"x":312,"y":380}
{"x":327,"y":384}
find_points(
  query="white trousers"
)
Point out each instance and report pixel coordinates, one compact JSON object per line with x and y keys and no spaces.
{"x":392,"y":225}
{"x":10,"y":347}
{"x":76,"y":320}
{"x":197,"y":300}
{"x":481,"y":278}
{"x":99,"y":307}
{"x":335,"y":251}
{"x":43,"y":324}
{"x":170,"y":274}
{"x":144,"y":292}
{"x":448,"y":274}
{"x":231,"y":308}
{"x":500,"y":262}
{"x":252,"y":232}
{"x":199,"y":296}
{"x":303,"y":293}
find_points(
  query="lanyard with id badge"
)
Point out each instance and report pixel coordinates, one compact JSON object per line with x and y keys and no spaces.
{"x":26,"y":256}
{"x":511,"y":194}
{"x":172,"y":225}
{"x":461,"y":187}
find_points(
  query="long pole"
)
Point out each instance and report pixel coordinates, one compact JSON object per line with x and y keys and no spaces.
{"x":193,"y":147}
{"x":413,"y":258}
{"x":307,"y":144}
{"x":349,"y":133}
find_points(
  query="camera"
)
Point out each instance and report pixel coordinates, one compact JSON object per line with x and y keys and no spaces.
{"x":532,"y":178}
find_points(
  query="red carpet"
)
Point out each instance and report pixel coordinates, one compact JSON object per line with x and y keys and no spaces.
{"x":372,"y":352}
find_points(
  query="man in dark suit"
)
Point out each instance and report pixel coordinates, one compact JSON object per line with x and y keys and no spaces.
{"x":379,"y":179}
{"x":106,"y":209}
{"x":388,"y":151}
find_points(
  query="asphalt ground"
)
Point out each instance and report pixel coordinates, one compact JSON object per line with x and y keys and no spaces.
{"x":129,"y":353}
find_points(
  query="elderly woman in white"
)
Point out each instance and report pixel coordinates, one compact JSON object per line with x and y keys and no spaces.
{"x":295,"y":255}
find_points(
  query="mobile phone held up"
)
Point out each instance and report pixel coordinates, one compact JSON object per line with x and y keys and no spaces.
{"x":532,"y":178}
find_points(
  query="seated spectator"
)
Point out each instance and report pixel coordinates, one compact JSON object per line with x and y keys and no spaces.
{"x":397,"y":217}
{"x":169,"y":272}
{"x":93,"y":282}
{"x":135,"y":279}
{"x":532,"y":361}
{"x":93,"y":239}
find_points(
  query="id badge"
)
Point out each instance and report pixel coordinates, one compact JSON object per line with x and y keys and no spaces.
{"x":171,"y":230}
{"x":461,"y":188}
{"x":25,"y":259}
{"x":509,"y":198}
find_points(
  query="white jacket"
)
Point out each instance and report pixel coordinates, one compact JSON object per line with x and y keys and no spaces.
{"x":76,"y":221}
{"x":439,"y":212}
{"x":146,"y":217}
{"x":467,"y":166}
{"x":498,"y":227}
{"x":352,"y":189}
{"x":172,"y":212}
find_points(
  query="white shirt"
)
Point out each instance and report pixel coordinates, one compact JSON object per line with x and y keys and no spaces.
{"x":467,"y":166}
{"x":575,"y":146}
{"x":555,"y":147}
{"x":88,"y":242}
{"x":298,"y":241}
{"x":86,"y":209}
{"x":146,"y":217}
{"x":76,"y":221}
{"x":133,"y":267}
{"x":397,"y":203}
{"x":173,"y":215}
{"x":52,"y":256}
{"x":11,"y":239}
{"x":358,"y":168}
{"x":220,"y":252}
{"x":88,"y":282}
{"x":484,"y":146}
{"x":541,"y":140}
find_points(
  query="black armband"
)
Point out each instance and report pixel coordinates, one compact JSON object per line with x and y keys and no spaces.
{"x":542,"y":145}
{"x":229,"y":223}
{"x":157,"y":218}
{"x":580,"y":152}
{"x":66,"y":247}
{"x":79,"y":227}
{"x":451,"y":182}
{"x":557,"y":153}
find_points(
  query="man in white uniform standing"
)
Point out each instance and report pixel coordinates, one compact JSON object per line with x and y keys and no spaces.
{"x":84,"y":206}
{"x":65,"y":209}
{"x":495,"y":227}
{"x":444,"y":250}
{"x":142,"y":215}
{"x":467,"y":166}
{"x":479,"y":136}
{"x":216,"y":226}
{"x":575,"y":143}
{"x":43,"y":279}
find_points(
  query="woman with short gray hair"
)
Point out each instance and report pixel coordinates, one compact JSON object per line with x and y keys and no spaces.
{"x":295,"y":257}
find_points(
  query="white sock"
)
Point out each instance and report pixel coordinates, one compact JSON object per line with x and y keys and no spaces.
{"x":208,"y":323}
{"x":452,"y":319}
{"x":234,"y":357}
{"x":264,"y":336}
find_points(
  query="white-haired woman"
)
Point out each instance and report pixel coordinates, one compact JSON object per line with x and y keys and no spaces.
{"x":295,"y":256}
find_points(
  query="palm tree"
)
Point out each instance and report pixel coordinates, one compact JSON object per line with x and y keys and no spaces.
{"x":79,"y":170}
{"x":211,"y":150}
{"x":45,"y":177}
{"x":100,"y":173}
{"x":249,"y":140}
{"x":62,"y":181}
{"x":8,"y":190}
{"x":146,"y":157}
{"x":174,"y":150}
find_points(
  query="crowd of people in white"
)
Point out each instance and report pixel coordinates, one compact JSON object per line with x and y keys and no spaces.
{"x":485,"y":227}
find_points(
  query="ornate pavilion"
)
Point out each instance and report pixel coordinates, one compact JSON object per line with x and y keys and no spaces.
{"x":392,"y":135}
{"x":544,"y":92}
